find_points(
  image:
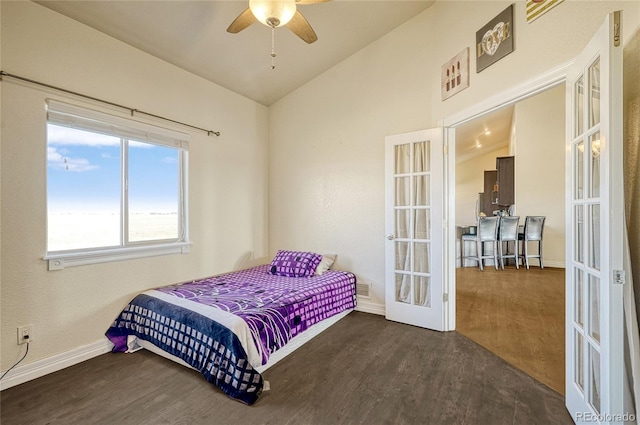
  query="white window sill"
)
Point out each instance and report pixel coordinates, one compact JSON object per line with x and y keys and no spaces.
{"x":59,"y":261}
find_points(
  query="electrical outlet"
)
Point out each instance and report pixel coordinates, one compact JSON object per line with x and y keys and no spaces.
{"x":25,"y":334}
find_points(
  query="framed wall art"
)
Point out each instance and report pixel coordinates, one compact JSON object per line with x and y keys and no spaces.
{"x":495,"y":40}
{"x":536,"y":8}
{"x":454,"y":75}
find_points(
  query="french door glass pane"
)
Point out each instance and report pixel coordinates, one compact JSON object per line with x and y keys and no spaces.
{"x":579,"y":105}
{"x":594,"y":307}
{"x":421,"y":157}
{"x":594,"y":93}
{"x":579,"y":294}
{"x":594,"y":141}
{"x":579,"y":360}
{"x":412,"y":224}
{"x":403,"y":288}
{"x":421,"y":190}
{"x":421,"y":291}
{"x":403,"y":191}
{"x":402,"y":223}
{"x":421,"y":256}
{"x":422,"y":225}
{"x":578,"y":232}
{"x":578,"y":154}
{"x":594,"y":377}
{"x":403,"y":261}
{"x":402,"y":159}
{"x":594,"y":236}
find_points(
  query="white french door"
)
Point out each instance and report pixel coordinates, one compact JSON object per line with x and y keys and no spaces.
{"x":414,"y":228}
{"x":595,"y":208}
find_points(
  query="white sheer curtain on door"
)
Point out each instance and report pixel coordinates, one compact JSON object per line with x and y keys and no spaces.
{"x":421,"y":223}
{"x":413,"y":221}
{"x":403,"y":199}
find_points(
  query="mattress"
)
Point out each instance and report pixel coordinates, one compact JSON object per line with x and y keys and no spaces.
{"x":228,"y":325}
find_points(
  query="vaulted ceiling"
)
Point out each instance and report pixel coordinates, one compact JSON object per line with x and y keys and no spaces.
{"x":192,"y":35}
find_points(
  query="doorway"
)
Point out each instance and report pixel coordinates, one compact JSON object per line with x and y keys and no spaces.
{"x":517,"y":314}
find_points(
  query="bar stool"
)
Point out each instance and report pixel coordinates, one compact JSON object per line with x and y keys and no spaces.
{"x":508,"y":232}
{"x":487,"y":232}
{"x":533,"y":228}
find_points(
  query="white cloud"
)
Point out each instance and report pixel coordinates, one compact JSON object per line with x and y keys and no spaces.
{"x":57,"y":161}
{"x":170,"y":160}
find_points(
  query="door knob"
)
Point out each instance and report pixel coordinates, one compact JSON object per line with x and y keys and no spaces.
{"x":391,"y":237}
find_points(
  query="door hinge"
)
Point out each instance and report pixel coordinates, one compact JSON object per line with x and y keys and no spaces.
{"x":619,"y":277}
{"x":445,"y":297}
{"x":616,"y":28}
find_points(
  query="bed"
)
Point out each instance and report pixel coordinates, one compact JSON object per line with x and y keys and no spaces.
{"x":231,"y":326}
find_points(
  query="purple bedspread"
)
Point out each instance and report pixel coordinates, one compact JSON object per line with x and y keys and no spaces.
{"x":276,"y":308}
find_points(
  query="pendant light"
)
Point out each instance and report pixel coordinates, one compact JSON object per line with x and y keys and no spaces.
{"x":273,"y":13}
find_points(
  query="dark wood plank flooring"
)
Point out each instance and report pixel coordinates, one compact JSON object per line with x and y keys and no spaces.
{"x":363,"y":370}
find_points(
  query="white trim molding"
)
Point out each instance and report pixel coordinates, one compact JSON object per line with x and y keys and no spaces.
{"x":39,"y":368}
{"x":58,"y":261}
{"x":553,"y":264}
{"x":370,"y":307}
{"x":510,"y":96}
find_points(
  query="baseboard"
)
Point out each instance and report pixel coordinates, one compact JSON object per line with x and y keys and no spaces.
{"x":370,"y":307}
{"x":28,"y":372}
{"x":554,"y":264}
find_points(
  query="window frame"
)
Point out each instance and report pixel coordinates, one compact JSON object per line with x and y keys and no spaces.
{"x":127,"y":130}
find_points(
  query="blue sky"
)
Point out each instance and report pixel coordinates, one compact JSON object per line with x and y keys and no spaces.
{"x":83,"y":173}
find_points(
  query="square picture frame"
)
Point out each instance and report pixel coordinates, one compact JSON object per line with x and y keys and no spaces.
{"x":454,"y":75}
{"x":494,"y":41}
{"x":537,"y":8}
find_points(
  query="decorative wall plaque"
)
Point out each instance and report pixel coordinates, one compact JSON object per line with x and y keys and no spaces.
{"x":454,"y":75}
{"x":536,"y":8}
{"x":495,"y":40}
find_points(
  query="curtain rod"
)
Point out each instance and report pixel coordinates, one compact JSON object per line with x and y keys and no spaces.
{"x":131,"y":110}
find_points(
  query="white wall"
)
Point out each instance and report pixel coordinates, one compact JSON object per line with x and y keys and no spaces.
{"x":1,"y":68}
{"x":73,"y":307}
{"x":470,"y":182}
{"x":540,"y":168}
{"x":326,"y":156}
{"x":326,"y":189}
{"x":326,"y":182}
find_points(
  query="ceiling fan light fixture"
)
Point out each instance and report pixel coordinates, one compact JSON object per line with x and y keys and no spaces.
{"x":273,"y":13}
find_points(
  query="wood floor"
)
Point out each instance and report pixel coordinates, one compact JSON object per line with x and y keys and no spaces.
{"x":363,"y":370}
{"x":518,"y":315}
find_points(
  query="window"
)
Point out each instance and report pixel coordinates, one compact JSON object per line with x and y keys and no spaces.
{"x":116,"y":188}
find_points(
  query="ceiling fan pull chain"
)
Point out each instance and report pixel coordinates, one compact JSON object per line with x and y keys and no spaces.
{"x":273,"y":47}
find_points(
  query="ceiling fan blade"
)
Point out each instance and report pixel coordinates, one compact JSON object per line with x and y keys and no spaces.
{"x":300,"y":27}
{"x":243,"y":20}
{"x":311,"y":1}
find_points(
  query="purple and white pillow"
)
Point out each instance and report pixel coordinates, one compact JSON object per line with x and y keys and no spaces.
{"x":294,"y":263}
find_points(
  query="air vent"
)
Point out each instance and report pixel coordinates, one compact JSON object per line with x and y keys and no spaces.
{"x":363,"y":290}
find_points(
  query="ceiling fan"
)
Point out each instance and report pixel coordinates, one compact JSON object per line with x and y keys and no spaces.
{"x":274,"y":14}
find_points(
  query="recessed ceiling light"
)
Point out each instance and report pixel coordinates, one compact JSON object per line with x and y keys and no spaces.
{"x":487,"y":132}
